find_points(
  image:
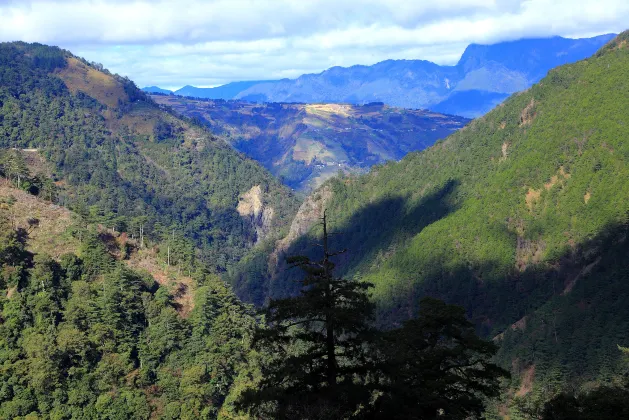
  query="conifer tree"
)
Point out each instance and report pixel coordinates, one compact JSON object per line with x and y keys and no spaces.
{"x":436,"y":367}
{"x":15,"y":167}
{"x":327,"y":362}
{"x":319,"y":342}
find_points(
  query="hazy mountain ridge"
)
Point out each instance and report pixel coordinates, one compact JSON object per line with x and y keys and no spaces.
{"x":228,"y":91}
{"x":500,"y":69}
{"x":156,"y":89}
{"x":306,"y":144}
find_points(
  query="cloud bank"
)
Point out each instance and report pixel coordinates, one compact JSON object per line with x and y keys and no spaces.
{"x":207,"y":43}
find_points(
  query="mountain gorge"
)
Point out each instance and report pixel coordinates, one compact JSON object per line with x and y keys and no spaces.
{"x":303,"y":145}
{"x":116,"y":219}
{"x":521,"y":217}
{"x":484,"y":76}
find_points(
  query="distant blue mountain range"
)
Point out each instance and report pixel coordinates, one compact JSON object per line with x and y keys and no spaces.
{"x":228,"y":91}
{"x":484,"y":76}
{"x":155,"y":89}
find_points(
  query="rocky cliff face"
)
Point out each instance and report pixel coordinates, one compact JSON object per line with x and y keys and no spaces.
{"x":251,"y":207}
{"x":309,"y":214}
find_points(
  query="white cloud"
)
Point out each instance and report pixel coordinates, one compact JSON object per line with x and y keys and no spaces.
{"x":171,"y":43}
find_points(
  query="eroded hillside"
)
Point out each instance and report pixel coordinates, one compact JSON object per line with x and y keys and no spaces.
{"x":119,"y":160}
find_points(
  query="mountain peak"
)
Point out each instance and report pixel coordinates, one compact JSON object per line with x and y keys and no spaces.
{"x":531,"y":55}
{"x":619,"y":42}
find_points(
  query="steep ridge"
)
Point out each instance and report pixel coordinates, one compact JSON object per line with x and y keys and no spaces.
{"x":121,"y":161}
{"x":483,"y":77}
{"x":521,"y":217}
{"x":305,"y":144}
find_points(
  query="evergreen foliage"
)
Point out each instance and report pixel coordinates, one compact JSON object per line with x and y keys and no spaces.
{"x":437,"y":366}
{"x":87,"y":337}
{"x":521,"y":218}
{"x":319,"y":339}
{"x":327,"y":361}
{"x":605,"y":403}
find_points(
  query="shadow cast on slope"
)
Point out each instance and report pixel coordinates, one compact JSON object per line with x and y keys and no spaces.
{"x":368,"y":235}
{"x":576,"y":331}
{"x":566,"y":316}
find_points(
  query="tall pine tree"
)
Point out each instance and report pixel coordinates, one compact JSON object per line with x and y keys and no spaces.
{"x":319,"y":342}
{"x":325,"y":361}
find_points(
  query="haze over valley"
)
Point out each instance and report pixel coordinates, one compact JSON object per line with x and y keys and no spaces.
{"x":305,"y":144}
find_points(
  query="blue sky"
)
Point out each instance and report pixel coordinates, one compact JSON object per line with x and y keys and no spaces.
{"x":208,"y":43}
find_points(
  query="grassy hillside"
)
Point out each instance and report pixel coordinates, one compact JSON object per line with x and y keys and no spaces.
{"x":306,"y":144}
{"x":521,"y":217}
{"x":119,"y":160}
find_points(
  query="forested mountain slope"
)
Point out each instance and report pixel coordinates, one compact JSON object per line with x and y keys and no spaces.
{"x":118,"y":160}
{"x":93,"y":325}
{"x":521,"y":217}
{"x":305,"y":144}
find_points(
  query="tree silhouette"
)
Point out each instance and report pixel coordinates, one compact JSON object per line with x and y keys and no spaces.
{"x":319,"y":342}
{"x":327,"y":362}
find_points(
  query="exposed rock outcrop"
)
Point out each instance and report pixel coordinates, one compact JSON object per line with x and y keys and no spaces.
{"x":251,"y":206}
{"x":310,"y":212}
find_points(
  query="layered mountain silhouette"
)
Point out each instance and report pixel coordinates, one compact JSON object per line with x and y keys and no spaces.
{"x":484,"y":76}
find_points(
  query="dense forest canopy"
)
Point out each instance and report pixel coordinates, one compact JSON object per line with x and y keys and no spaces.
{"x":110,"y":330}
{"x":116,"y":217}
{"x":87,"y":336}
